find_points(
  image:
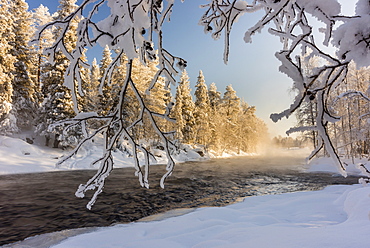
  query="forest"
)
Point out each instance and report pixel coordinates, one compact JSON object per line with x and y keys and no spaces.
{"x":34,"y":97}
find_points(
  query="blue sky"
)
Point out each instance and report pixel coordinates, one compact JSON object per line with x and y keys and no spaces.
{"x":252,"y":69}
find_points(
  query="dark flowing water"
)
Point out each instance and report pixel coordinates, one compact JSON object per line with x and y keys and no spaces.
{"x":32,"y":204}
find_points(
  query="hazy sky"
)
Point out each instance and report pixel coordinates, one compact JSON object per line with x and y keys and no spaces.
{"x":252,"y":69}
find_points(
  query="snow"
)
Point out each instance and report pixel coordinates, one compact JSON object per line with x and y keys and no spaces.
{"x":337,"y":216}
{"x":17,"y":156}
{"x":327,"y":165}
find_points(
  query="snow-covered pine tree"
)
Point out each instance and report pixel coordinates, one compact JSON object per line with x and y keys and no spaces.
{"x":24,"y":82}
{"x":7,"y":120}
{"x":183,"y":110}
{"x":214,"y":96}
{"x":231,"y":104}
{"x":176,"y":113}
{"x":202,"y":112}
{"x":215,"y":117}
{"x":58,"y":102}
{"x":230,"y":109}
{"x":251,"y":131}
{"x":41,"y":16}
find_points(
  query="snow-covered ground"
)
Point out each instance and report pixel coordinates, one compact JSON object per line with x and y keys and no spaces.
{"x":338,"y":216}
{"x":18,"y":156}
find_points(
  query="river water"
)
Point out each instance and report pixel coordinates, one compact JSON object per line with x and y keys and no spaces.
{"x":37,"y":203}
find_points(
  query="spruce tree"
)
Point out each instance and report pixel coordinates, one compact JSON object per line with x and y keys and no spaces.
{"x":58,"y":104}
{"x":231,"y":103}
{"x":41,"y":16}
{"x":202,"y":111}
{"x":24,"y":73}
{"x":230,"y":109}
{"x":215,"y":117}
{"x":7,"y":121}
{"x":214,"y":96}
{"x":176,"y":113}
{"x":183,"y":110}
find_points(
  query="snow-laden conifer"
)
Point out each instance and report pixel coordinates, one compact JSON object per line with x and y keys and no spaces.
{"x":215,"y":117}
{"x":183,"y":110}
{"x":230,"y":110}
{"x":202,"y":111}
{"x":24,"y":82}
{"x":7,"y":121}
{"x":58,"y":100}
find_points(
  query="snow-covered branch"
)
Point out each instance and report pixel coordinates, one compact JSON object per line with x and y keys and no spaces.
{"x":292,"y":22}
{"x":134,"y":31}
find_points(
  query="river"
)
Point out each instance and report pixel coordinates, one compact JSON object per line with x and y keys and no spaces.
{"x":37,"y":203}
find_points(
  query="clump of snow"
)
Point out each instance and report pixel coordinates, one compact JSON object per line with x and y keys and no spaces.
{"x":17,"y":156}
{"x":321,"y":9}
{"x":325,"y":164}
{"x":362,"y":7}
{"x":351,"y":39}
{"x":336,"y":217}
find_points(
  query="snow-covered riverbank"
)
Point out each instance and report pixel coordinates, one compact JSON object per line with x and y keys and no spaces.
{"x":336,"y":217}
{"x":17,"y":156}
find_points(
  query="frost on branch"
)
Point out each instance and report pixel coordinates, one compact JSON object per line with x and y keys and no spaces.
{"x":134,"y":31}
{"x":291,"y":21}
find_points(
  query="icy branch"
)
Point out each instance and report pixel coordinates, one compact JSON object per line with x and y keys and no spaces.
{"x":134,"y":30}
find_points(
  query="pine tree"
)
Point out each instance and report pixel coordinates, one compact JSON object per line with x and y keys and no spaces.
{"x":230,"y":109}
{"x":251,"y":131}
{"x":176,"y":113}
{"x":58,"y":104}
{"x":183,"y":110}
{"x":41,"y":16}
{"x":214,"y":96}
{"x":215,"y":117}
{"x":24,"y":80}
{"x":65,"y":8}
{"x":202,"y":111}
{"x":231,"y":103}
{"x":7,"y":121}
